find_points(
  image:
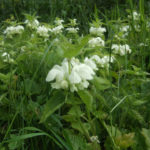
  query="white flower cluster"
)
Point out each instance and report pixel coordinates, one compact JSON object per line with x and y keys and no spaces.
{"x":97,"y":31}
{"x":59,"y":26}
{"x":137,"y":27}
{"x":6,"y":57}
{"x":72,"y":75}
{"x":95,"y":42}
{"x":125,"y":30}
{"x":94,"y":139}
{"x":57,"y":29}
{"x":13,"y":30}
{"x":73,"y":22}
{"x":43,"y":31}
{"x":136,"y":16}
{"x":148,"y":24}
{"x":72,"y":30}
{"x":121,"y":49}
{"x":104,"y":61}
{"x":143,"y":44}
{"x":75,"y":75}
{"x":58,"y":21}
{"x":32,"y":24}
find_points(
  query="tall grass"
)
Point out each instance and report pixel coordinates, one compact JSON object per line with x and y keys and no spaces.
{"x":48,"y":10}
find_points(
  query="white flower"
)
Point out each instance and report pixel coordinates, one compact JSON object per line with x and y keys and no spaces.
{"x":43,"y":31}
{"x":116,"y":36}
{"x":73,"y":22}
{"x":72,"y":30}
{"x":64,"y":84}
{"x":136,"y":16}
{"x":121,"y":49}
{"x":143,"y":44}
{"x":137,"y":27}
{"x":84,"y":71}
{"x":56,"y":73}
{"x":94,"y":42}
{"x":97,"y":31}
{"x":59,"y":21}
{"x":73,"y":88}
{"x":57,"y":29}
{"x":116,"y":48}
{"x":5,"y":54}
{"x":94,"y":139}
{"x":84,"y":84}
{"x":74,"y":62}
{"x":73,"y":75}
{"x":32,"y":24}
{"x":6,"y":57}
{"x":125,"y":28}
{"x":23,"y":48}
{"x":13,"y":30}
{"x":96,"y":58}
{"x":148,"y":24}
{"x":104,"y":61}
{"x":56,"y":40}
{"x":90,"y":63}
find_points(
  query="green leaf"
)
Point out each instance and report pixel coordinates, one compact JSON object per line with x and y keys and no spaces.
{"x":101,"y":83}
{"x":5,"y":78}
{"x":146,"y":134}
{"x":61,"y":140}
{"x":25,"y":136}
{"x":35,"y":88}
{"x":76,"y":142}
{"x":87,"y":98}
{"x":81,"y":127}
{"x":75,"y":111}
{"x":72,"y":50}
{"x":54,"y":103}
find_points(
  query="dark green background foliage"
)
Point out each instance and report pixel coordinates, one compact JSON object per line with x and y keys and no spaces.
{"x":82,"y":10}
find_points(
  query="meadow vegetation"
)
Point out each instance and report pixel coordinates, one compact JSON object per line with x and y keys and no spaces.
{"x":75,"y":79}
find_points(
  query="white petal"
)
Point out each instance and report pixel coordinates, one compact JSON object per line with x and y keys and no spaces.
{"x":74,"y":77}
{"x":54,"y":73}
{"x":85,"y":72}
{"x":56,"y":85}
{"x":83,"y":85}
{"x":90,"y":63}
{"x":73,"y":88}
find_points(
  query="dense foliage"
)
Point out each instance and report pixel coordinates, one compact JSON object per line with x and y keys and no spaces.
{"x":82,"y":10}
{"x":61,"y":89}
